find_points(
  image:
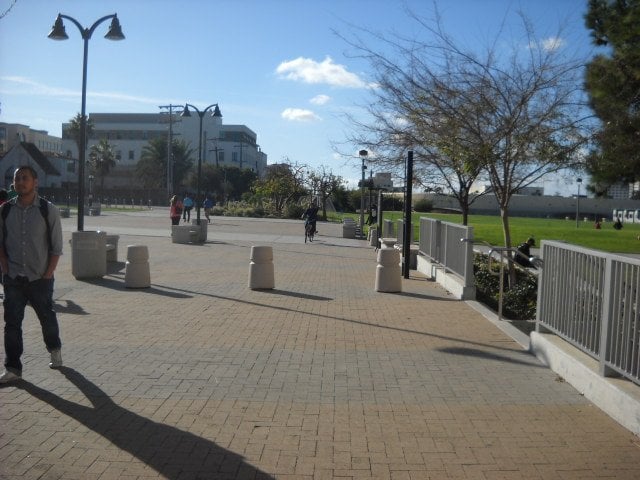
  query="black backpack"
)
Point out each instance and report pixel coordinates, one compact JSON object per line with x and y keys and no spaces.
{"x":44,"y":211}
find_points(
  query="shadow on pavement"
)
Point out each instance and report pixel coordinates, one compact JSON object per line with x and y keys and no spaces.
{"x":342,"y":319}
{"x":473,"y":352}
{"x":172,"y":452}
{"x":117,"y":283}
{"x":72,"y":308}
{"x":287,"y":293}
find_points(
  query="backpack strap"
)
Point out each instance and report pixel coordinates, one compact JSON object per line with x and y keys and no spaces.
{"x":6,"y":207}
{"x":44,"y":211}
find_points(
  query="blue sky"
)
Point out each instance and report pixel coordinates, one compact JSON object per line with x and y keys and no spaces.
{"x":274,"y":65}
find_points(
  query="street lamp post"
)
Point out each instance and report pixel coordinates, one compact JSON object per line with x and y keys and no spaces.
{"x":187,"y":113}
{"x":58,"y":33}
{"x":363,"y":155}
{"x":91,"y":190}
{"x":579,"y":180}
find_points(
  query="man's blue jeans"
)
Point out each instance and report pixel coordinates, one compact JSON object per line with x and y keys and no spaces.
{"x":17,"y":293}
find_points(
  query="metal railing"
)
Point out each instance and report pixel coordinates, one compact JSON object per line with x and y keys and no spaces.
{"x":592,"y":300}
{"x":450,"y":245}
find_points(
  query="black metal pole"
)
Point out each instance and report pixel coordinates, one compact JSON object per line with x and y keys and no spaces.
{"x":380,"y":210}
{"x":408,"y":231}
{"x":83,"y":136}
{"x":199,"y":170}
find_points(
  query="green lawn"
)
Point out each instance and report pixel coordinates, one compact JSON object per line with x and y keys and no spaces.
{"x":489,"y":229}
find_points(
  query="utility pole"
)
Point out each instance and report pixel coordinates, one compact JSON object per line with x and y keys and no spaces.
{"x":241,"y":145}
{"x":170,"y":146}
{"x":215,"y":149}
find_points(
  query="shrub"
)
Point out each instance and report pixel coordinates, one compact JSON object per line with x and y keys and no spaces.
{"x":518,"y":303}
{"x":293,"y":210}
{"x":423,"y":205}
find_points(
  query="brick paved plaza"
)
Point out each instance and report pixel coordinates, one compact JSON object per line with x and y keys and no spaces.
{"x":199,"y":377}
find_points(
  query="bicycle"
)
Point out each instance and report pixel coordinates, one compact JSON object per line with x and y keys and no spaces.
{"x":309,"y":231}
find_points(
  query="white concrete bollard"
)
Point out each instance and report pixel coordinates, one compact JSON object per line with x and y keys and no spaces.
{"x":373,"y":236}
{"x":137,"y":273}
{"x":261,"y":274}
{"x":388,"y":273}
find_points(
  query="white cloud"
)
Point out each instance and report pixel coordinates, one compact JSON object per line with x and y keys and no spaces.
{"x":308,"y":70}
{"x":320,"y":99}
{"x":553,"y":43}
{"x":25,"y":86}
{"x":299,"y":115}
{"x":549,"y":44}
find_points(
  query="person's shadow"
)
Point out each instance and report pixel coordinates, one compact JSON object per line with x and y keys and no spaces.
{"x":172,"y":452}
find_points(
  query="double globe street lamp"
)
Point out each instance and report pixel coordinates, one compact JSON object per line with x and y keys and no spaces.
{"x":58,"y":33}
{"x":186,"y":113}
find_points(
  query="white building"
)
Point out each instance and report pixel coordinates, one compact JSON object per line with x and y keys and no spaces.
{"x":129,"y":133}
{"x":54,"y":171}
{"x":12,"y":134}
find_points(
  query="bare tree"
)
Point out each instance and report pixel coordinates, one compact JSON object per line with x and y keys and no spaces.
{"x":282,"y":183}
{"x":323,"y":183}
{"x":513,"y":115}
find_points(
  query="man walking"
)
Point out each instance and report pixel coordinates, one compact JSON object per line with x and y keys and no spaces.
{"x":31,"y":245}
{"x":187,"y":203}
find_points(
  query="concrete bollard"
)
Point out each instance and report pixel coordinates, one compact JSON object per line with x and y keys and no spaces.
{"x":388,"y":273}
{"x":261,"y":275}
{"x":137,"y":273}
{"x":373,"y":236}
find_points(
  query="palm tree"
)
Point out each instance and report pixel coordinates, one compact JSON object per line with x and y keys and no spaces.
{"x":74,"y":130}
{"x":102,"y":159}
{"x":152,"y":167}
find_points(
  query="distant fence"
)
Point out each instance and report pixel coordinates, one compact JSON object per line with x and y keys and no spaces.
{"x":592,"y":300}
{"x":450,"y":245}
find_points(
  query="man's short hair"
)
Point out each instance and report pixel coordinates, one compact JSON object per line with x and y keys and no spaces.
{"x":34,"y":174}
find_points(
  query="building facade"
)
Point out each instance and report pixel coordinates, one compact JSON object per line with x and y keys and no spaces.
{"x":54,"y":171}
{"x":12,"y":134}
{"x":129,"y":133}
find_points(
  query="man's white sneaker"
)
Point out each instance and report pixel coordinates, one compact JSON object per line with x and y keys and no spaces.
{"x":8,"y":376}
{"x":56,"y":359}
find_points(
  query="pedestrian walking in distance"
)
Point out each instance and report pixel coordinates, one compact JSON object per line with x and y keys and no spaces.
{"x":31,"y":245}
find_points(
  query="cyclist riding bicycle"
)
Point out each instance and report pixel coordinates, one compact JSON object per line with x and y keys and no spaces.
{"x":311,"y":215}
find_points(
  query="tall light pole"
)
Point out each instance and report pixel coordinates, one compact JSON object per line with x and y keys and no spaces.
{"x":170,"y":147}
{"x":186,"y":113}
{"x":58,"y":33}
{"x":579,"y":180}
{"x":363,"y":155}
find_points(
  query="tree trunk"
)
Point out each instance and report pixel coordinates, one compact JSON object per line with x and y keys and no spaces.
{"x":504,"y":215}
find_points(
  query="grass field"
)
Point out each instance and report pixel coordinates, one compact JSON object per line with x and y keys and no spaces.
{"x":489,"y":229}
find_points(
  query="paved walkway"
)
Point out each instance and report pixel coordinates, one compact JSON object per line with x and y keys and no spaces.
{"x":321,"y":378}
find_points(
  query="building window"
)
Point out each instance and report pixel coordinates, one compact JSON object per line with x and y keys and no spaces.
{"x":234,"y":156}
{"x":71,"y":167}
{"x":118,"y":154}
{"x":131,"y":155}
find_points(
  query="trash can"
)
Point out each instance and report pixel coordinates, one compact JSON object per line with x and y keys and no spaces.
{"x":88,"y":254}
